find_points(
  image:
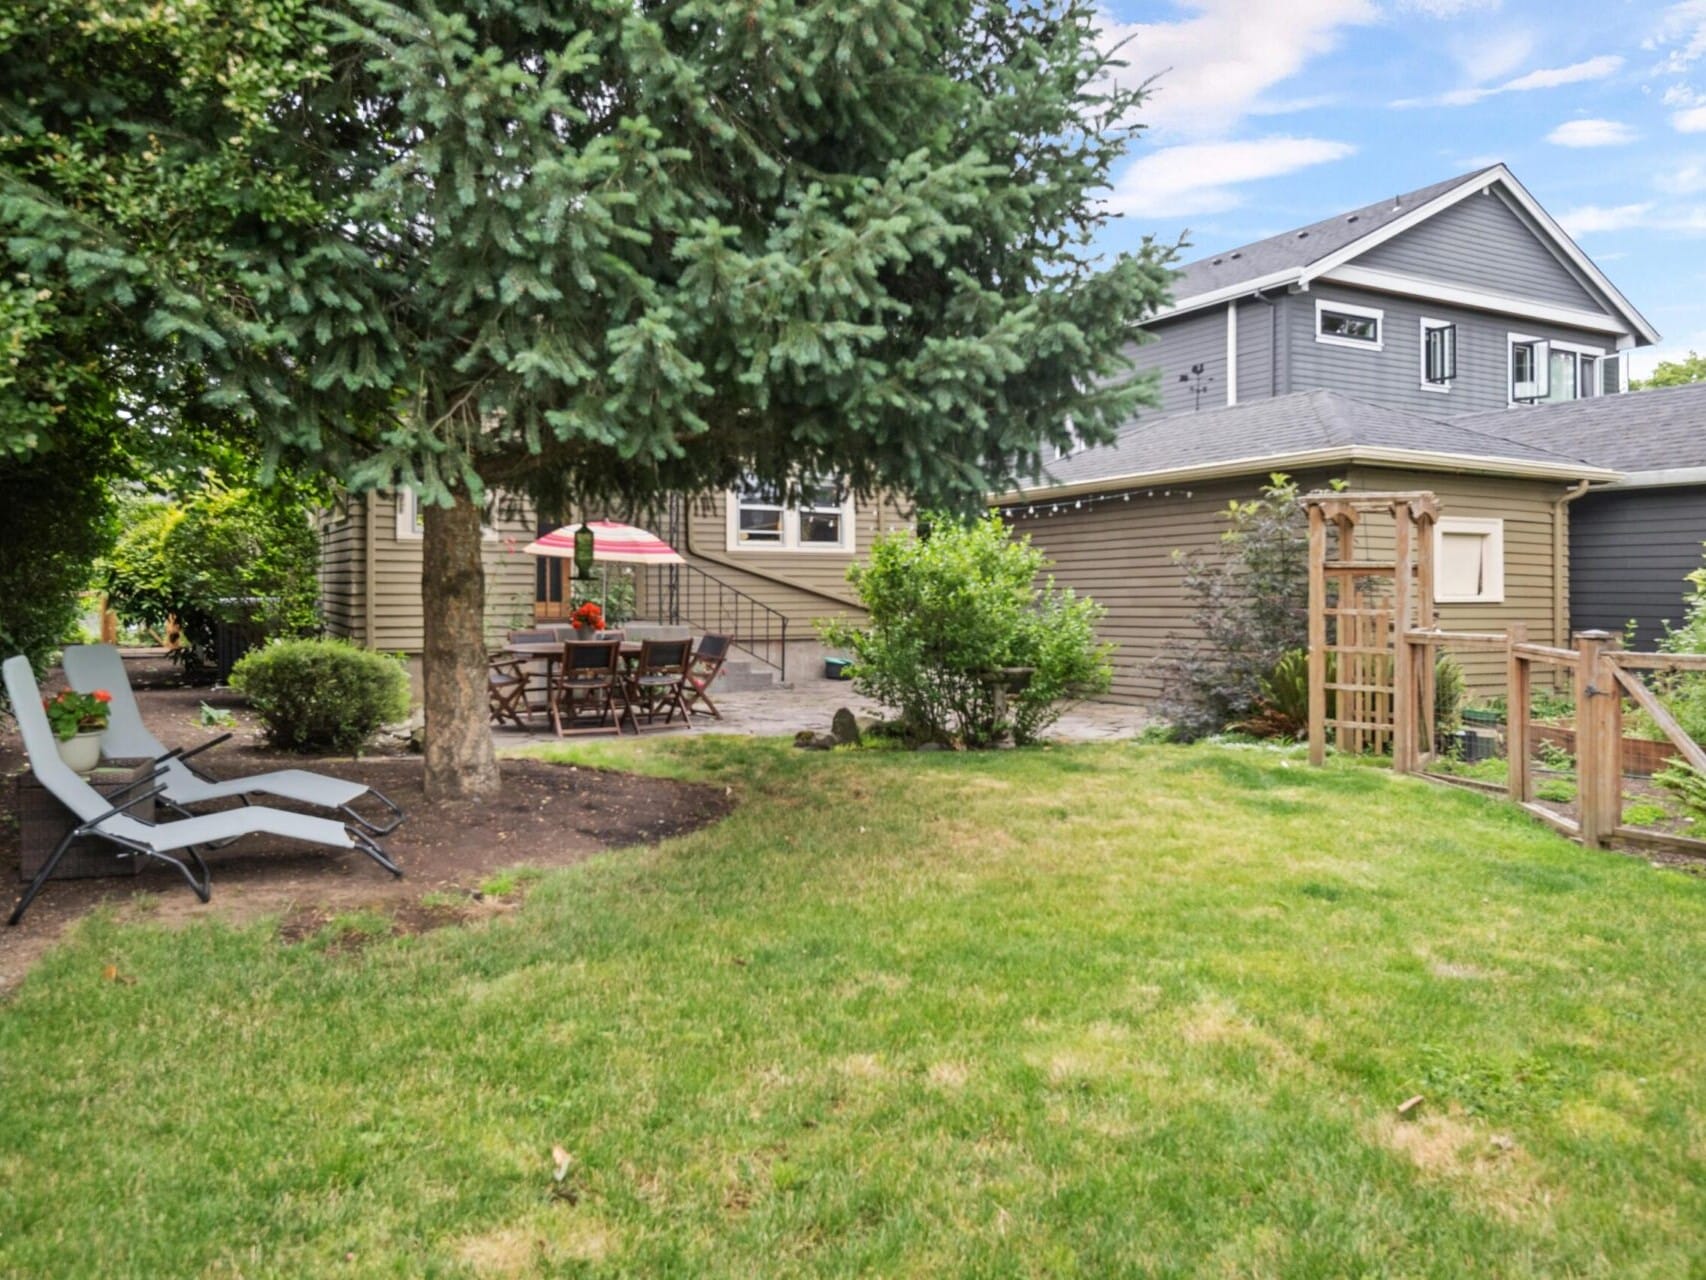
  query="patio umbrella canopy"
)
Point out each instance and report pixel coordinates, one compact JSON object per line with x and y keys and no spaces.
{"x":612,"y":542}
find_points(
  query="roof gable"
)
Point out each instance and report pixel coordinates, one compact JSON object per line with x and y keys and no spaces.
{"x":1484,"y":243}
{"x":1295,"y":258}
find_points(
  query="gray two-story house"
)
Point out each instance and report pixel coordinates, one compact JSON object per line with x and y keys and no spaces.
{"x":1383,"y":348}
{"x":1459,"y":297}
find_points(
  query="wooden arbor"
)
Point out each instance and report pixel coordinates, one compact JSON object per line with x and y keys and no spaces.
{"x":1359,"y":610}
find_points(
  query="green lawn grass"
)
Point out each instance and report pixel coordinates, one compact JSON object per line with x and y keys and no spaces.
{"x":1098,"y":1011}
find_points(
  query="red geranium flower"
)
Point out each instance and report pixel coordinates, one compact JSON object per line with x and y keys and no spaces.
{"x":101,"y":695}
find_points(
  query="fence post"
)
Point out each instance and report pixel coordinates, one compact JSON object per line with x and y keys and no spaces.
{"x":1598,"y":751}
{"x":1318,"y":636}
{"x":1517,"y":703}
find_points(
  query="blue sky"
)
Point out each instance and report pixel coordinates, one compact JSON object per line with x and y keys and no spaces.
{"x":1267,"y":114}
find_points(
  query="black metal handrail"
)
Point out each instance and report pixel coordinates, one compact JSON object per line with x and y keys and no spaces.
{"x":685,"y":595}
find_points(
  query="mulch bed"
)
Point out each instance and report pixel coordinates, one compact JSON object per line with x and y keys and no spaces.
{"x":547,"y":815}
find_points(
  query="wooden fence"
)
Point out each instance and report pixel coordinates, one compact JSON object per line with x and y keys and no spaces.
{"x":1603,"y":676}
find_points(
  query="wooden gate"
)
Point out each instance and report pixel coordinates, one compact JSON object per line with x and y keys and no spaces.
{"x":1362,"y":682}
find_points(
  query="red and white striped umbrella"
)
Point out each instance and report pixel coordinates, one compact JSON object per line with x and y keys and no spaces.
{"x":612,"y":542}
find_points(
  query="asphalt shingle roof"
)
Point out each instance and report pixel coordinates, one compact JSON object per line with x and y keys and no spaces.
{"x":1652,"y":430}
{"x":1302,"y":246}
{"x":1305,"y":421}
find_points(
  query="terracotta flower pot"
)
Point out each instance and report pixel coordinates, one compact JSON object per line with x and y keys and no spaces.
{"x":82,"y":752}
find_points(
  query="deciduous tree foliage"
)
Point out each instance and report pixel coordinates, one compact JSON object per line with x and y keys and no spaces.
{"x":589,"y":252}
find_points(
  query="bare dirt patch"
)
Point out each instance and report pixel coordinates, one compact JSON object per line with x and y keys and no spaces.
{"x":547,"y":816}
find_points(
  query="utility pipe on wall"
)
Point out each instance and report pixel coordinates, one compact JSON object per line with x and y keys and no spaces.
{"x":1560,"y":573}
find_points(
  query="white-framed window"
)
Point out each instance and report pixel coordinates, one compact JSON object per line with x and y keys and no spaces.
{"x":1549,"y":371}
{"x":409,"y":526}
{"x":1439,"y":354}
{"x":759,"y":519}
{"x":1469,"y":560}
{"x":1342,"y":324}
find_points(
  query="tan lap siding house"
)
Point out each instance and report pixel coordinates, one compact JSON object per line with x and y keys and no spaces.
{"x":370,"y":575}
{"x":802,"y":585}
{"x":1123,"y":554}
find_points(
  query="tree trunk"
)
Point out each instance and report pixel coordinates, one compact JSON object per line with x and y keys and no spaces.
{"x":460,"y":761}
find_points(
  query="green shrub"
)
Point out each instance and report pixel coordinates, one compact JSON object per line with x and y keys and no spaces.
{"x":1448,"y":694}
{"x":322,"y":695}
{"x":947,"y":614}
{"x":236,"y":555}
{"x":1687,"y":782}
{"x":1250,"y":607}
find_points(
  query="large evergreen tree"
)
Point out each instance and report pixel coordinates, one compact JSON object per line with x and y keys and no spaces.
{"x":587,"y":252}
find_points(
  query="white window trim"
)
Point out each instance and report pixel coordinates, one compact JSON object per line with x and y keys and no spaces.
{"x":1512,"y":340}
{"x":1493,"y":553}
{"x":408,"y":507}
{"x":1430,"y":322}
{"x":790,"y":543}
{"x":1351,"y":309}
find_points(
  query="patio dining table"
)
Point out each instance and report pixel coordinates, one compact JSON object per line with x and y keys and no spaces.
{"x":551,"y":653}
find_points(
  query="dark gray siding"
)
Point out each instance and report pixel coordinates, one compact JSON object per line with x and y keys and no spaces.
{"x":1483,"y":243}
{"x":1392,"y":375}
{"x":1629,"y":553}
{"x":1199,"y":337}
{"x":1258,"y":349}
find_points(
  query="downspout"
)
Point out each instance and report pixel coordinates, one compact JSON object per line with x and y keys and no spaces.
{"x":369,"y":569}
{"x":1560,"y":577}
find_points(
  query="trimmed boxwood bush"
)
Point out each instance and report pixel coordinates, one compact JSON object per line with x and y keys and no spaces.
{"x":322,"y":695}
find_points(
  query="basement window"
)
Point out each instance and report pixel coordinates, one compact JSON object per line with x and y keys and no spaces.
{"x":1469,"y":561}
{"x":1340,"y":324}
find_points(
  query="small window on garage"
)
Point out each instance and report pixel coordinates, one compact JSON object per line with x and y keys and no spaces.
{"x":1469,"y":561}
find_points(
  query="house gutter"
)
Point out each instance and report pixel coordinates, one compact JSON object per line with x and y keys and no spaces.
{"x":1406,"y":459}
{"x":1560,"y":578}
{"x":1665,"y":478}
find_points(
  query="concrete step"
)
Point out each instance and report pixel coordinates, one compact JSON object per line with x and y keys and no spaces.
{"x":743,"y":674}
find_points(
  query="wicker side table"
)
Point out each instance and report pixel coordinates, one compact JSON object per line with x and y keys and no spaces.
{"x":43,"y":822}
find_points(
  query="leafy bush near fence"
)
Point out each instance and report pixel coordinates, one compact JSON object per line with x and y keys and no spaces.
{"x":234,"y":555}
{"x":949,"y":613}
{"x":322,"y":695}
{"x":1250,"y":606}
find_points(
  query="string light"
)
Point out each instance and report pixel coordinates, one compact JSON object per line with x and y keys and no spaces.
{"x":1091,"y":502}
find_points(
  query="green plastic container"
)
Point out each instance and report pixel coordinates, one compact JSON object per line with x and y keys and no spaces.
{"x":838,"y":668}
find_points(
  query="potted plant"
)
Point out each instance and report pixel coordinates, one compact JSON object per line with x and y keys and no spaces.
{"x":78,"y":721}
{"x":588,"y":618}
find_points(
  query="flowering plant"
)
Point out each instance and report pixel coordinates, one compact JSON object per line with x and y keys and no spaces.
{"x":589,"y":617}
{"x":71,"y":713}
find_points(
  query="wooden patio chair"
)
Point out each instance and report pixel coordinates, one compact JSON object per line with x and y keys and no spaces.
{"x":538,"y":669}
{"x":706,"y":665}
{"x":659,"y":679}
{"x":506,"y":688}
{"x":589,"y":682}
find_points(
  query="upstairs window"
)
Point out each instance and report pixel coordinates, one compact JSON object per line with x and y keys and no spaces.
{"x":1341,"y":324}
{"x":1439,"y":354}
{"x":1551,"y":372}
{"x":759,"y":519}
{"x":1469,"y":561}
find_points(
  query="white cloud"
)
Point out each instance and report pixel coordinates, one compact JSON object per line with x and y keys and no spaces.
{"x":1692,"y":120}
{"x":1445,"y":8}
{"x":1688,"y":179}
{"x":1592,"y":133}
{"x":1588,"y":218}
{"x":1198,"y":178}
{"x":1680,"y":35}
{"x":1492,"y":55}
{"x":1607,"y":64}
{"x":1214,"y":68}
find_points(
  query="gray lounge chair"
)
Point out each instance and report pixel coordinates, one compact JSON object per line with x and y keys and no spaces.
{"x":99,"y":666}
{"x":99,"y":817}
